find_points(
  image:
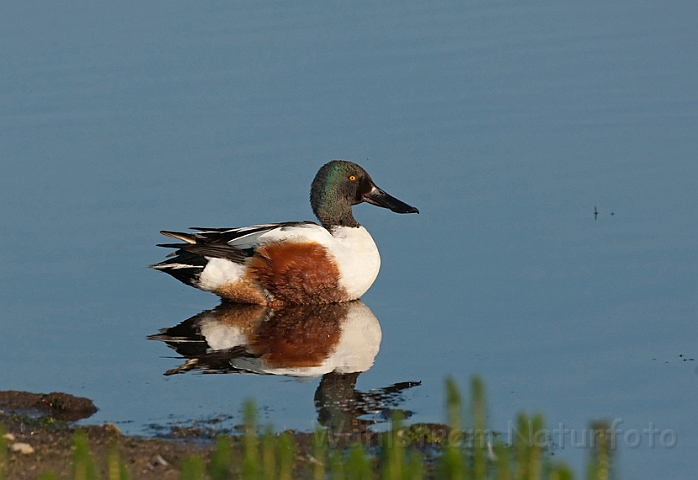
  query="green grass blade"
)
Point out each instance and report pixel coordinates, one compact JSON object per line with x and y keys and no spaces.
{"x":3,"y":449}
{"x":221,"y":460}
{"x":415,"y":467}
{"x":319,"y":453}
{"x":251,"y":468}
{"x":393,"y":450}
{"x":528,"y":447}
{"x":116,"y":469}
{"x":83,"y":464}
{"x":268,"y":455}
{"x":192,"y":469}
{"x":452,"y":462}
{"x":534,"y":468}
{"x":502,"y":461}
{"x":561,"y":472}
{"x":336,"y":466}
{"x":287,"y":456}
{"x":358,"y":466}
{"x":480,"y":434}
{"x":599,"y":466}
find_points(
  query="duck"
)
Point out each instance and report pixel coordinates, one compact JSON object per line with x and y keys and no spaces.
{"x":290,"y":263}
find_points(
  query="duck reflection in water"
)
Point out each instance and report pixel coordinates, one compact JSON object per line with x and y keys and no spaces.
{"x":336,"y":341}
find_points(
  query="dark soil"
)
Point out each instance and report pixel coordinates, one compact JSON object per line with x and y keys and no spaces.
{"x":41,"y":421}
{"x":60,"y":406}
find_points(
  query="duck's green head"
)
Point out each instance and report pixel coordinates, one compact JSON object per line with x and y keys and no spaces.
{"x":340,"y":184}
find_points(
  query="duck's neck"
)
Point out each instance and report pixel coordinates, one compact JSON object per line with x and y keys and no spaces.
{"x":334,"y":215}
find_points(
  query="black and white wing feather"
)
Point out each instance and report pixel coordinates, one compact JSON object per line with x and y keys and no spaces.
{"x":196,"y":248}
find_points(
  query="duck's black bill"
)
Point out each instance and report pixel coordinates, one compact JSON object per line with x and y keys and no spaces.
{"x":381,"y":199}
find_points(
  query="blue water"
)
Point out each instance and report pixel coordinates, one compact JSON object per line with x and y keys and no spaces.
{"x":505,"y":123}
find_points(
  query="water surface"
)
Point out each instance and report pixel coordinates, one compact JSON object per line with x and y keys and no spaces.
{"x":505,"y":123}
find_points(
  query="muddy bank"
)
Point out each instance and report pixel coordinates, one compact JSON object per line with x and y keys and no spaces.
{"x":60,"y":406}
{"x":39,"y":436}
{"x":50,"y":450}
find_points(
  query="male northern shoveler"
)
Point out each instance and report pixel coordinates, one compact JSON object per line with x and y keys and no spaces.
{"x":290,"y":262}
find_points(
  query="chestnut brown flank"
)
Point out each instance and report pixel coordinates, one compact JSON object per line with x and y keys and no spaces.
{"x":297,"y":273}
{"x":242,"y":291}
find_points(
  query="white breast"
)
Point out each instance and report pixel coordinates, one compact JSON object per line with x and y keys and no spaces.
{"x":357,"y":257}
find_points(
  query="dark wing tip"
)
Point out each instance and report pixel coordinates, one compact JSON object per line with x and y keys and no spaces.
{"x":172,"y":245}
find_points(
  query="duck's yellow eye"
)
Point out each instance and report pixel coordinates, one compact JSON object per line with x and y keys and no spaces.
{"x":352,"y":177}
